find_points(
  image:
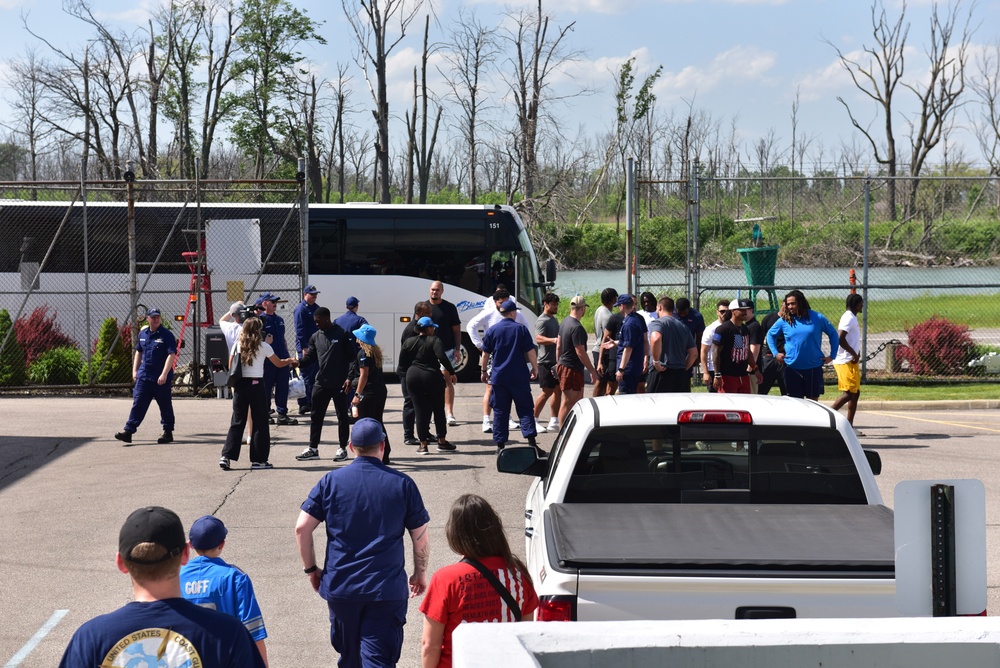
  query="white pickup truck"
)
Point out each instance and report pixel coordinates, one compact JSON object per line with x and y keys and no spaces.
{"x":706,"y":506}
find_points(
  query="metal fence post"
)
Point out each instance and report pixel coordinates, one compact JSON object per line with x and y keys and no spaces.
{"x":133,"y":280}
{"x":303,"y":224}
{"x":86,"y":271}
{"x":629,"y":238}
{"x":694,"y":201}
{"x":198,"y":270}
{"x":864,"y":280}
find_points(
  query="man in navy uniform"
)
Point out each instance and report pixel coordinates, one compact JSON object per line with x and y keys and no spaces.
{"x":508,"y":342}
{"x":153,"y":373}
{"x":305,"y":327}
{"x":275,"y":379}
{"x":351,"y":321}
{"x":633,"y":346}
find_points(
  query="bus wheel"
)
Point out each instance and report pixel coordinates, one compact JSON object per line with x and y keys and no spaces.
{"x":468,"y":366}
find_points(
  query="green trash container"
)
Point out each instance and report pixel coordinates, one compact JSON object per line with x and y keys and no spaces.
{"x":759,"y":265}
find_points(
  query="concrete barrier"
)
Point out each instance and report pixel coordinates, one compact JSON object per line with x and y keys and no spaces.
{"x":769,"y":643}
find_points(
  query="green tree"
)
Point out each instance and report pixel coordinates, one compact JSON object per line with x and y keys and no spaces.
{"x":116,"y":359}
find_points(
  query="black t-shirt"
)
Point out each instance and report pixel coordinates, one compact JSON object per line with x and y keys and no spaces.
{"x":756,"y":337}
{"x":615,"y":327}
{"x":376,"y":381}
{"x":734,"y":348}
{"x":571,"y":335}
{"x":409,"y":331}
{"x":765,"y":326}
{"x":445,"y":316}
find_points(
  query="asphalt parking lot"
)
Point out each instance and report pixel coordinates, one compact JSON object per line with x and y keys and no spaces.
{"x":66,"y":485}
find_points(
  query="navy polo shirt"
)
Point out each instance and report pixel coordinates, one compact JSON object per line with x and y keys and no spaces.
{"x":275,"y":326}
{"x":632,"y":335}
{"x":507,"y":342}
{"x":367,"y":507}
{"x":155,"y":347}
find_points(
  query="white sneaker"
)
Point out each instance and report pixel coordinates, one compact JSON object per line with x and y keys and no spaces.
{"x":540,"y":428}
{"x":553,"y":424}
{"x":247,"y":440}
{"x":452,"y":422}
{"x":340,"y":455}
{"x":487,"y":425}
{"x":513,"y":424}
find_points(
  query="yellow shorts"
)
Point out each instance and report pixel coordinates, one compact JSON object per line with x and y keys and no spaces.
{"x":848,"y":377}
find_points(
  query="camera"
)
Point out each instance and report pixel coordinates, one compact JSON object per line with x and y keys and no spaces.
{"x":247,"y":312}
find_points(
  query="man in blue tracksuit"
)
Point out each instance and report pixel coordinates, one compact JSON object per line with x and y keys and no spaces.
{"x":275,"y":379}
{"x":508,"y":342}
{"x":305,"y":327}
{"x":153,"y":373}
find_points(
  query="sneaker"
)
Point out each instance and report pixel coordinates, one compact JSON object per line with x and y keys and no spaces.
{"x":410,"y":441}
{"x":284,"y":419}
{"x":270,"y":420}
{"x":452,"y":421}
{"x":247,"y":440}
{"x":340,"y":456}
{"x":224,"y":463}
{"x":422,"y":450}
{"x":166,"y":437}
{"x":305,"y":410}
{"x":513,"y":424}
{"x":307,"y":454}
{"x":540,"y":428}
{"x":553,"y":424}
{"x":261,"y":465}
{"x":487,"y":425}
{"x":858,"y":433}
{"x":500,"y":447}
{"x":446,"y":447}
{"x":124,"y":437}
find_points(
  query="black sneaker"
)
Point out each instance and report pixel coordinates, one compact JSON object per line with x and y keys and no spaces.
{"x":224,"y":463}
{"x":124,"y":437}
{"x":307,"y":454}
{"x":166,"y":437}
{"x":284,"y":419}
{"x":305,"y":410}
{"x":422,"y":450}
{"x":446,"y":447}
{"x":261,"y":465}
{"x":340,"y":455}
{"x":410,"y":441}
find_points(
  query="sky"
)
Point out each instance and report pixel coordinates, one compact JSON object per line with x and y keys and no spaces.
{"x":738,"y":60}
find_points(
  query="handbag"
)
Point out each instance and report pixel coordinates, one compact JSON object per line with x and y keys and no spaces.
{"x":235,"y":370}
{"x":493,"y":580}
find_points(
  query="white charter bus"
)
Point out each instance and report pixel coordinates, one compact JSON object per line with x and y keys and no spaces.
{"x":385,"y":255}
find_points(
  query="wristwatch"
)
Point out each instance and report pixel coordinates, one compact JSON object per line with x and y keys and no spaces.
{"x":311,"y":569}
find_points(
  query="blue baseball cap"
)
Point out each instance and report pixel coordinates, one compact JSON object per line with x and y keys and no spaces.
{"x":310,"y":290}
{"x":624,"y":299}
{"x":365,"y":334}
{"x":367,"y":432}
{"x":508,"y":306}
{"x":352,"y":302}
{"x":207,"y":533}
{"x":151,"y":312}
{"x":267,"y":297}
{"x":426,"y":321}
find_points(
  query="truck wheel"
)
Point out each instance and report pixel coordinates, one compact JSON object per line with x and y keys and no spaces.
{"x":468,"y":366}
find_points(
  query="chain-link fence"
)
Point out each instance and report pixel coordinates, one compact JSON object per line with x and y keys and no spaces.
{"x":924,"y":253}
{"x":81,"y":264}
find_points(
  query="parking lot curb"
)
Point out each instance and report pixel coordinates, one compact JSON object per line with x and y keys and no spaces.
{"x":946,"y":405}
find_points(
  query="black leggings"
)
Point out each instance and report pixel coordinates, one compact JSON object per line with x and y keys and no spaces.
{"x":373,"y":406}
{"x":426,"y":390}
{"x":249,"y":394}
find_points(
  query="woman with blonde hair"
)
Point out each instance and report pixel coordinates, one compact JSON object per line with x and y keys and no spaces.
{"x":489,"y":584}
{"x":250,"y":351}
{"x":368,"y":382}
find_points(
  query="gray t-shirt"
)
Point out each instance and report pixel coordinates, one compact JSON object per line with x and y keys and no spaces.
{"x":548,"y":327}
{"x":571,"y":335}
{"x":601,"y":317}
{"x":676,"y":341}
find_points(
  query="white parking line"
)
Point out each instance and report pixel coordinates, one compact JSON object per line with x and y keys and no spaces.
{"x":30,"y":646}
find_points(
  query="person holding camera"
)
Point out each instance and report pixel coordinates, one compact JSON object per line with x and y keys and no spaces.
{"x":250,"y":395}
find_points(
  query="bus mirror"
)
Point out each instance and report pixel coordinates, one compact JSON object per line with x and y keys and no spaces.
{"x":550,"y":271}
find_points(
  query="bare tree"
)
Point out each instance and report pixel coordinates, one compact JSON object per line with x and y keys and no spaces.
{"x":422,"y":151}
{"x":986,"y":87}
{"x":378,"y":27}
{"x":220,"y":26}
{"x":472,"y":50}
{"x":24,"y":77}
{"x":335,"y":156}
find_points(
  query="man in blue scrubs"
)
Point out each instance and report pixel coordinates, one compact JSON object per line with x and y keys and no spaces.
{"x":508,"y":343}
{"x":153,"y":373}
{"x":633,"y":346}
{"x":367,"y":507}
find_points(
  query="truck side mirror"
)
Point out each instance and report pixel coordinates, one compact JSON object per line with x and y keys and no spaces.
{"x":874,"y":461}
{"x":550,"y":271}
{"x":522,"y":461}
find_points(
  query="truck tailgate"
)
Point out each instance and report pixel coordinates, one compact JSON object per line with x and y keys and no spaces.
{"x":848,"y":541}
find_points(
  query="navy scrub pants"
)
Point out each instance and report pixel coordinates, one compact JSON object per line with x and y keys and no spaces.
{"x":367,"y":634}
{"x":144,"y":393}
{"x":500,"y":400}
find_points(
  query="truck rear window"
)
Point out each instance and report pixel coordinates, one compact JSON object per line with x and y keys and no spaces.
{"x":715,"y":464}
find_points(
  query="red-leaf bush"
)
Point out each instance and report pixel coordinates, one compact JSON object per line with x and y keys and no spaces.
{"x":938,"y":347}
{"x":39,"y":332}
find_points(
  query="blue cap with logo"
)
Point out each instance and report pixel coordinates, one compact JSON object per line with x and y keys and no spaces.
{"x":508,"y":306}
{"x":153,"y":311}
{"x":207,"y":533}
{"x":310,"y":290}
{"x":624,"y":299}
{"x":426,"y":321}
{"x":367,"y":432}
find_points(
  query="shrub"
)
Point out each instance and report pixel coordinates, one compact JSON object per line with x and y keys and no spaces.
{"x":39,"y":332}
{"x":59,"y":366}
{"x":938,"y":347}
{"x":118,"y":368}
{"x":12,"y":356}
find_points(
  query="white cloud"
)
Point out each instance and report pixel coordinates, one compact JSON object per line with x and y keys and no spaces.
{"x":737,"y":65}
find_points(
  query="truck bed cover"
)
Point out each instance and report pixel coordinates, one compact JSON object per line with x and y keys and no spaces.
{"x":726,"y":537}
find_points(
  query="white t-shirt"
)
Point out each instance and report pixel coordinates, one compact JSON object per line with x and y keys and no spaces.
{"x":255,"y":370}
{"x":706,"y":340}
{"x":849,"y":324}
{"x":231,"y":329}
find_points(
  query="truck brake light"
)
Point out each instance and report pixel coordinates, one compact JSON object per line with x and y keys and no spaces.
{"x":714,"y":417}
{"x":556,"y":609}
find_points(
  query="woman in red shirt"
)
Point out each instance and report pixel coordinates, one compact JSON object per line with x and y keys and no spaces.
{"x":461,"y":592}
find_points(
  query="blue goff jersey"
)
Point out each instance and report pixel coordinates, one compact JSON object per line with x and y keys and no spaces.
{"x":212,"y":583}
{"x":154,"y":348}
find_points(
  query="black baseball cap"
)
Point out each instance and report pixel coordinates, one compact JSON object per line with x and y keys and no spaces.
{"x":152,"y":524}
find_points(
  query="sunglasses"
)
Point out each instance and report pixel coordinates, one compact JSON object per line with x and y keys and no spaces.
{"x":723,"y":310}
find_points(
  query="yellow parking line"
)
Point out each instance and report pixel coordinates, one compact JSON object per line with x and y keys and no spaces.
{"x":944,"y":422}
